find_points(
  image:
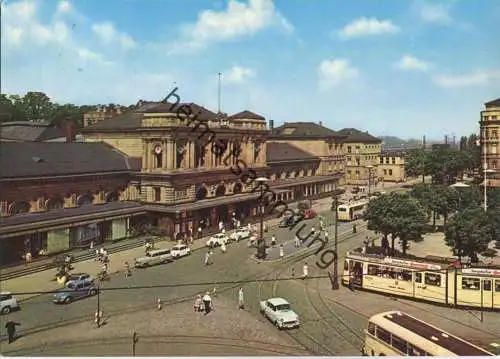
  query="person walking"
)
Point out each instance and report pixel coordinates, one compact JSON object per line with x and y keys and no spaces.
{"x":326,"y":236}
{"x":273,"y":240}
{"x":305,"y":271}
{"x":223,"y":248}
{"x":207,"y":258}
{"x":241,"y":299}
{"x":313,"y":230}
{"x":127,"y":270}
{"x":197,"y":304}
{"x":11,"y":330}
{"x":207,"y":302}
{"x":282,"y":251}
{"x":296,"y":241}
{"x":199,"y":232}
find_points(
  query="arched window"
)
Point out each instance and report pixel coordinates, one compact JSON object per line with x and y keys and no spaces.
{"x":19,"y":207}
{"x":85,"y":199}
{"x":112,"y":197}
{"x":54,"y":203}
{"x":201,"y":193}
{"x":238,"y":187}
{"x":220,"y":191}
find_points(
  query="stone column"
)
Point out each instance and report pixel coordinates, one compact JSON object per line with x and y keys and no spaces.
{"x":170,"y":149}
{"x":192,"y":155}
{"x":145,"y":155}
{"x":164,"y":154}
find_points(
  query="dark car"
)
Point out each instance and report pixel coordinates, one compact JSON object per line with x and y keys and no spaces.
{"x":286,"y":222}
{"x":74,"y":291}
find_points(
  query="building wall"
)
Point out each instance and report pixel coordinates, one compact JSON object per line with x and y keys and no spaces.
{"x":127,"y":143}
{"x":100,"y":114}
{"x":490,"y":136}
{"x":391,"y":168}
{"x":359,"y":158}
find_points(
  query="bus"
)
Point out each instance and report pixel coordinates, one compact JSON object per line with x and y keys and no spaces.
{"x":351,"y":211}
{"x":399,"y":334}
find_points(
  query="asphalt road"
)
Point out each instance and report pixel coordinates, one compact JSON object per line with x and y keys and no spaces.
{"x":40,"y":313}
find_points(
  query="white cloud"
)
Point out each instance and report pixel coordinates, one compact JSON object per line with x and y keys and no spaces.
{"x":411,"y":63}
{"x":333,"y":72}
{"x":475,"y":78}
{"x":107,"y":33}
{"x":88,"y":55}
{"x":238,"y":74}
{"x":63,"y":7}
{"x":436,"y":13}
{"x":368,"y":26}
{"x":238,"y":20}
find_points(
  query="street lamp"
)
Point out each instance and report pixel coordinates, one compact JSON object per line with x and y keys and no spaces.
{"x":335,"y":280}
{"x":261,"y":245}
{"x":369,"y":180}
{"x":457,"y":186}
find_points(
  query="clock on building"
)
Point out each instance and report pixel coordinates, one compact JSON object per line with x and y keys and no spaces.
{"x":158,"y":149}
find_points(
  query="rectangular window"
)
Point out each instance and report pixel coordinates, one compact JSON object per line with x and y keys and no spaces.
{"x":346,"y":265}
{"x":414,"y":351}
{"x":399,"y":344}
{"x":497,"y":285}
{"x":387,"y":160}
{"x":381,"y":160}
{"x":349,"y":149}
{"x":371,"y":328}
{"x":394,"y":160}
{"x":469,"y":283}
{"x":390,"y":172}
{"x":385,"y":172}
{"x":487,"y":285}
{"x":157,"y":191}
{"x":403,"y":275}
{"x":433,"y":279}
{"x":384,"y":335}
{"x":373,"y":269}
{"x":418,"y":277}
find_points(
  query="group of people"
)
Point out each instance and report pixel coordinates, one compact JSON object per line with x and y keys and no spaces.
{"x":205,"y":304}
{"x":103,"y":258}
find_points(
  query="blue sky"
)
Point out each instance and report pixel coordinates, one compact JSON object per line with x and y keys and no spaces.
{"x":391,"y":67}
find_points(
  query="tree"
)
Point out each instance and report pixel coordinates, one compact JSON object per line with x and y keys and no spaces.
{"x":416,"y":164}
{"x":38,"y":105}
{"x":445,"y":201}
{"x":399,"y":215}
{"x":11,"y":108}
{"x":468,"y":233}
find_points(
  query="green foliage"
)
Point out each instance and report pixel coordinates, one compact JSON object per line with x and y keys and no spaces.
{"x":38,"y":106}
{"x":469,"y":232}
{"x":399,"y":215}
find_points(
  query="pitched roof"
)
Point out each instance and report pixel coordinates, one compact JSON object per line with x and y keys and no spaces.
{"x":279,"y":152}
{"x":355,"y":135}
{"x":132,"y":120}
{"x":29,"y":131}
{"x":246,"y":115}
{"x":302,"y":129}
{"x":493,"y":103}
{"x":39,"y":159}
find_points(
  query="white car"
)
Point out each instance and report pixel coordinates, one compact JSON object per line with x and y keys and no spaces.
{"x":180,"y":250}
{"x":217,"y":240}
{"x":240,"y":233}
{"x":280,"y":313}
{"x":7,"y":303}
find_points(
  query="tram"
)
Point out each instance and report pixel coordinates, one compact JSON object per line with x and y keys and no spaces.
{"x":423,"y":279}
{"x":400,"y":334}
{"x":351,"y":211}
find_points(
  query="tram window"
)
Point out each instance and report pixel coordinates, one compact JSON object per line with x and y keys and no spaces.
{"x":404,"y":275}
{"x":433,"y":279}
{"x":373,"y":270}
{"x":497,"y":285}
{"x":399,"y":344}
{"x":414,"y":351}
{"x":418,"y":277}
{"x":487,"y":285}
{"x":371,"y":328}
{"x":384,"y":335}
{"x":469,"y":283}
{"x":346,"y":265}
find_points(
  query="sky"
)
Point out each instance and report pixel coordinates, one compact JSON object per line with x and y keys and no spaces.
{"x":390,"y":67}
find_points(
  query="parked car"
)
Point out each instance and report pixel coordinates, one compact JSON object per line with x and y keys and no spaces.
{"x":154,"y":257}
{"x":75,"y":291}
{"x":180,"y":250}
{"x":217,"y":240}
{"x":79,"y":277}
{"x":310,"y":213}
{"x":286,"y":222}
{"x":240,"y":233}
{"x":7,"y":303}
{"x":280,"y":313}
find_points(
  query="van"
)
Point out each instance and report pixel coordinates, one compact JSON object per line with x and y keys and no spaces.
{"x":154,"y":257}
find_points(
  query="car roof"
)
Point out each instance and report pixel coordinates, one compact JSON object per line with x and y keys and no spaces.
{"x":5,"y":293}
{"x":159,"y":251}
{"x":277,"y":301}
{"x":179,"y":246}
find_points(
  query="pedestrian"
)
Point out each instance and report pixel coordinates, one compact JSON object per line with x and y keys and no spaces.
{"x":326,"y":236}
{"x":199,"y":232}
{"x":159,"y":304}
{"x":207,"y":258}
{"x":293,"y":272}
{"x":101,"y":251}
{"x":273,"y":240}
{"x":305,"y":271}
{"x":223,"y":231}
{"x":197,"y":304}
{"x":207,"y":302}
{"x":91,"y":245}
{"x":28,"y":257}
{"x":282,"y":251}
{"x":297,"y":241}
{"x":97,"y":255}
{"x":127,"y":270}
{"x":313,"y":230}
{"x":11,"y":330}
{"x":223,"y":248}
{"x":241,"y":299}
{"x":221,"y":226}
{"x":98,"y":318}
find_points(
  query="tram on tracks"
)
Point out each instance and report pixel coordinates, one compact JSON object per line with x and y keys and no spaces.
{"x":399,"y":334}
{"x":422,"y":279}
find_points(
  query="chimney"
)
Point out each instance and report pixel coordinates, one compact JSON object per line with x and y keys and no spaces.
{"x":271,"y":124}
{"x":69,"y":130}
{"x":321,"y":123}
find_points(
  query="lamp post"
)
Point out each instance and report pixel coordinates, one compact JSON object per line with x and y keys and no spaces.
{"x":335,"y":280}
{"x":457,"y":186}
{"x":369,"y":180}
{"x":261,"y":246}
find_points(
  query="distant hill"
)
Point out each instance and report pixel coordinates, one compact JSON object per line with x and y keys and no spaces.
{"x":396,"y":141}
